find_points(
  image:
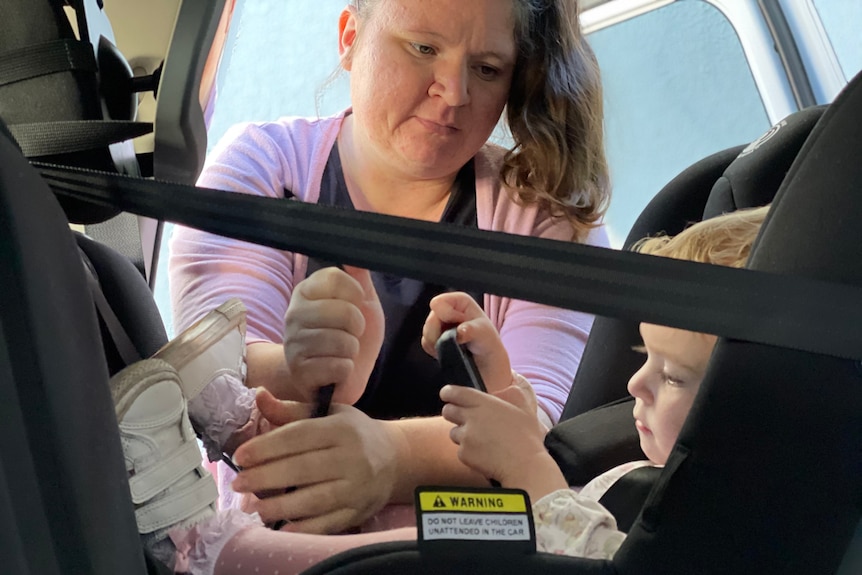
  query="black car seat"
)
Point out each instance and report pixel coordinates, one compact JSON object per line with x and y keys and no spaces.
{"x":595,"y":432}
{"x":64,"y":499}
{"x":66,"y":507}
{"x":766,"y":476}
{"x":129,"y":320}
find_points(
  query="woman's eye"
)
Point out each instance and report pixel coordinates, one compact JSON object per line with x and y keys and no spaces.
{"x":423,"y":49}
{"x":487,"y":72}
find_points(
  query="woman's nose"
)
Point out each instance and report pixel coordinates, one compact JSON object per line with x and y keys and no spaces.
{"x":451,"y":82}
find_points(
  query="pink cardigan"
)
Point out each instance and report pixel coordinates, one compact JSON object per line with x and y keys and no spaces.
{"x":544,"y":343}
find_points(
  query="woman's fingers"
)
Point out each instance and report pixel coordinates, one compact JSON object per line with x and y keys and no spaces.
{"x":288,"y":440}
{"x":342,"y":467}
{"x":363,"y":279}
{"x":331,"y":283}
{"x":315,"y":508}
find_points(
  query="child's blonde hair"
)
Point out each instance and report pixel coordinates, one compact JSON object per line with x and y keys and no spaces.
{"x":725,"y":240}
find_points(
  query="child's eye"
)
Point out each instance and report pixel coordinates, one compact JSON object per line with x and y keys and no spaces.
{"x":671,"y":380}
{"x":422,"y":49}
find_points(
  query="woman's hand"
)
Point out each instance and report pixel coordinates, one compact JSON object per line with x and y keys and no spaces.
{"x":475,"y":330}
{"x":333,"y":330}
{"x":500,"y":436}
{"x":344,"y":466}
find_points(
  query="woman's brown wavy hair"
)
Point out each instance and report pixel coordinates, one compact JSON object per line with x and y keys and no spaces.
{"x":555,"y":116}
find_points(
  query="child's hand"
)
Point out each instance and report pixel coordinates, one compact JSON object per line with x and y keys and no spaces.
{"x":499,"y":435}
{"x":474,"y":329}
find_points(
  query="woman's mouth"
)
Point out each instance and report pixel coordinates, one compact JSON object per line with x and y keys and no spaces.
{"x":437,"y":128}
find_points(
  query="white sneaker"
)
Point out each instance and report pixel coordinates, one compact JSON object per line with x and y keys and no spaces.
{"x":213,"y":345}
{"x":210,"y":359}
{"x":169,"y":485}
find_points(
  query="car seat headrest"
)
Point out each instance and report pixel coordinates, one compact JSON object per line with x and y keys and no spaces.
{"x":608,"y":359}
{"x":115,"y":82}
{"x":752,"y":179}
{"x":681,"y":201}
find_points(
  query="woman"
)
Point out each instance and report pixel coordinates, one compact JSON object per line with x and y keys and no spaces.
{"x":429,"y":81}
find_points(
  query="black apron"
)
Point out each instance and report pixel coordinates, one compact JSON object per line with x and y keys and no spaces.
{"x":406,"y":381}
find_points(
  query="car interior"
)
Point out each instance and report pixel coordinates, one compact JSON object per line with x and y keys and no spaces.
{"x":742,"y":487}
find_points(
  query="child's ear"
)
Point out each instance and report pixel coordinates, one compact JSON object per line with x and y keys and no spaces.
{"x":347,"y":27}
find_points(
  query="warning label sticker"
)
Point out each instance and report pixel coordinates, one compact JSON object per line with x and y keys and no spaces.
{"x":475,"y":526}
{"x":474,"y":502}
{"x":500,"y":519}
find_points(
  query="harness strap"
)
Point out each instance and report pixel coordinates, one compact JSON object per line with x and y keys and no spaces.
{"x":127,"y":350}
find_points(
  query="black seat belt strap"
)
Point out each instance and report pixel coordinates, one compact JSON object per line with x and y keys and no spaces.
{"x":127,"y":350}
{"x":787,"y":311}
{"x":64,"y":137}
{"x":63,"y":55}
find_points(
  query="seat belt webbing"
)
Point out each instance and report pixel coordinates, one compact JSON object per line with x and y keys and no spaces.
{"x":68,"y":136}
{"x":63,"y":55}
{"x":127,"y":350}
{"x":787,"y":311}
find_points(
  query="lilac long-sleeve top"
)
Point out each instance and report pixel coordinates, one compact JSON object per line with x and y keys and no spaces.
{"x":544,"y":343}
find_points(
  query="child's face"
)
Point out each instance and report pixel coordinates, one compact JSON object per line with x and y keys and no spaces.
{"x":664,"y":388}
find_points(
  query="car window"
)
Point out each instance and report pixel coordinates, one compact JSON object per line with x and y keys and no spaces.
{"x":677,"y":88}
{"x":278,"y":60}
{"x":841,"y":19}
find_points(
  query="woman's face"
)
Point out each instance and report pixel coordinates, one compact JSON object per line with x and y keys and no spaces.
{"x":429,"y":80}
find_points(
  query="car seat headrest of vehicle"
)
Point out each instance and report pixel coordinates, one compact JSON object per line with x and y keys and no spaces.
{"x":755,"y":175}
{"x":54,"y":104}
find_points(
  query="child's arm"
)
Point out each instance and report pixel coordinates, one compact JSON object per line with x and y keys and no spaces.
{"x":500,"y":436}
{"x":498,"y":432}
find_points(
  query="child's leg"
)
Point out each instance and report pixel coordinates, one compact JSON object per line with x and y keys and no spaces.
{"x":199,"y":376}
{"x":173,"y":495}
{"x":210,"y":359}
{"x":392,"y":516}
{"x":266,"y":552}
{"x":168,"y":485}
{"x":172,"y":492}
